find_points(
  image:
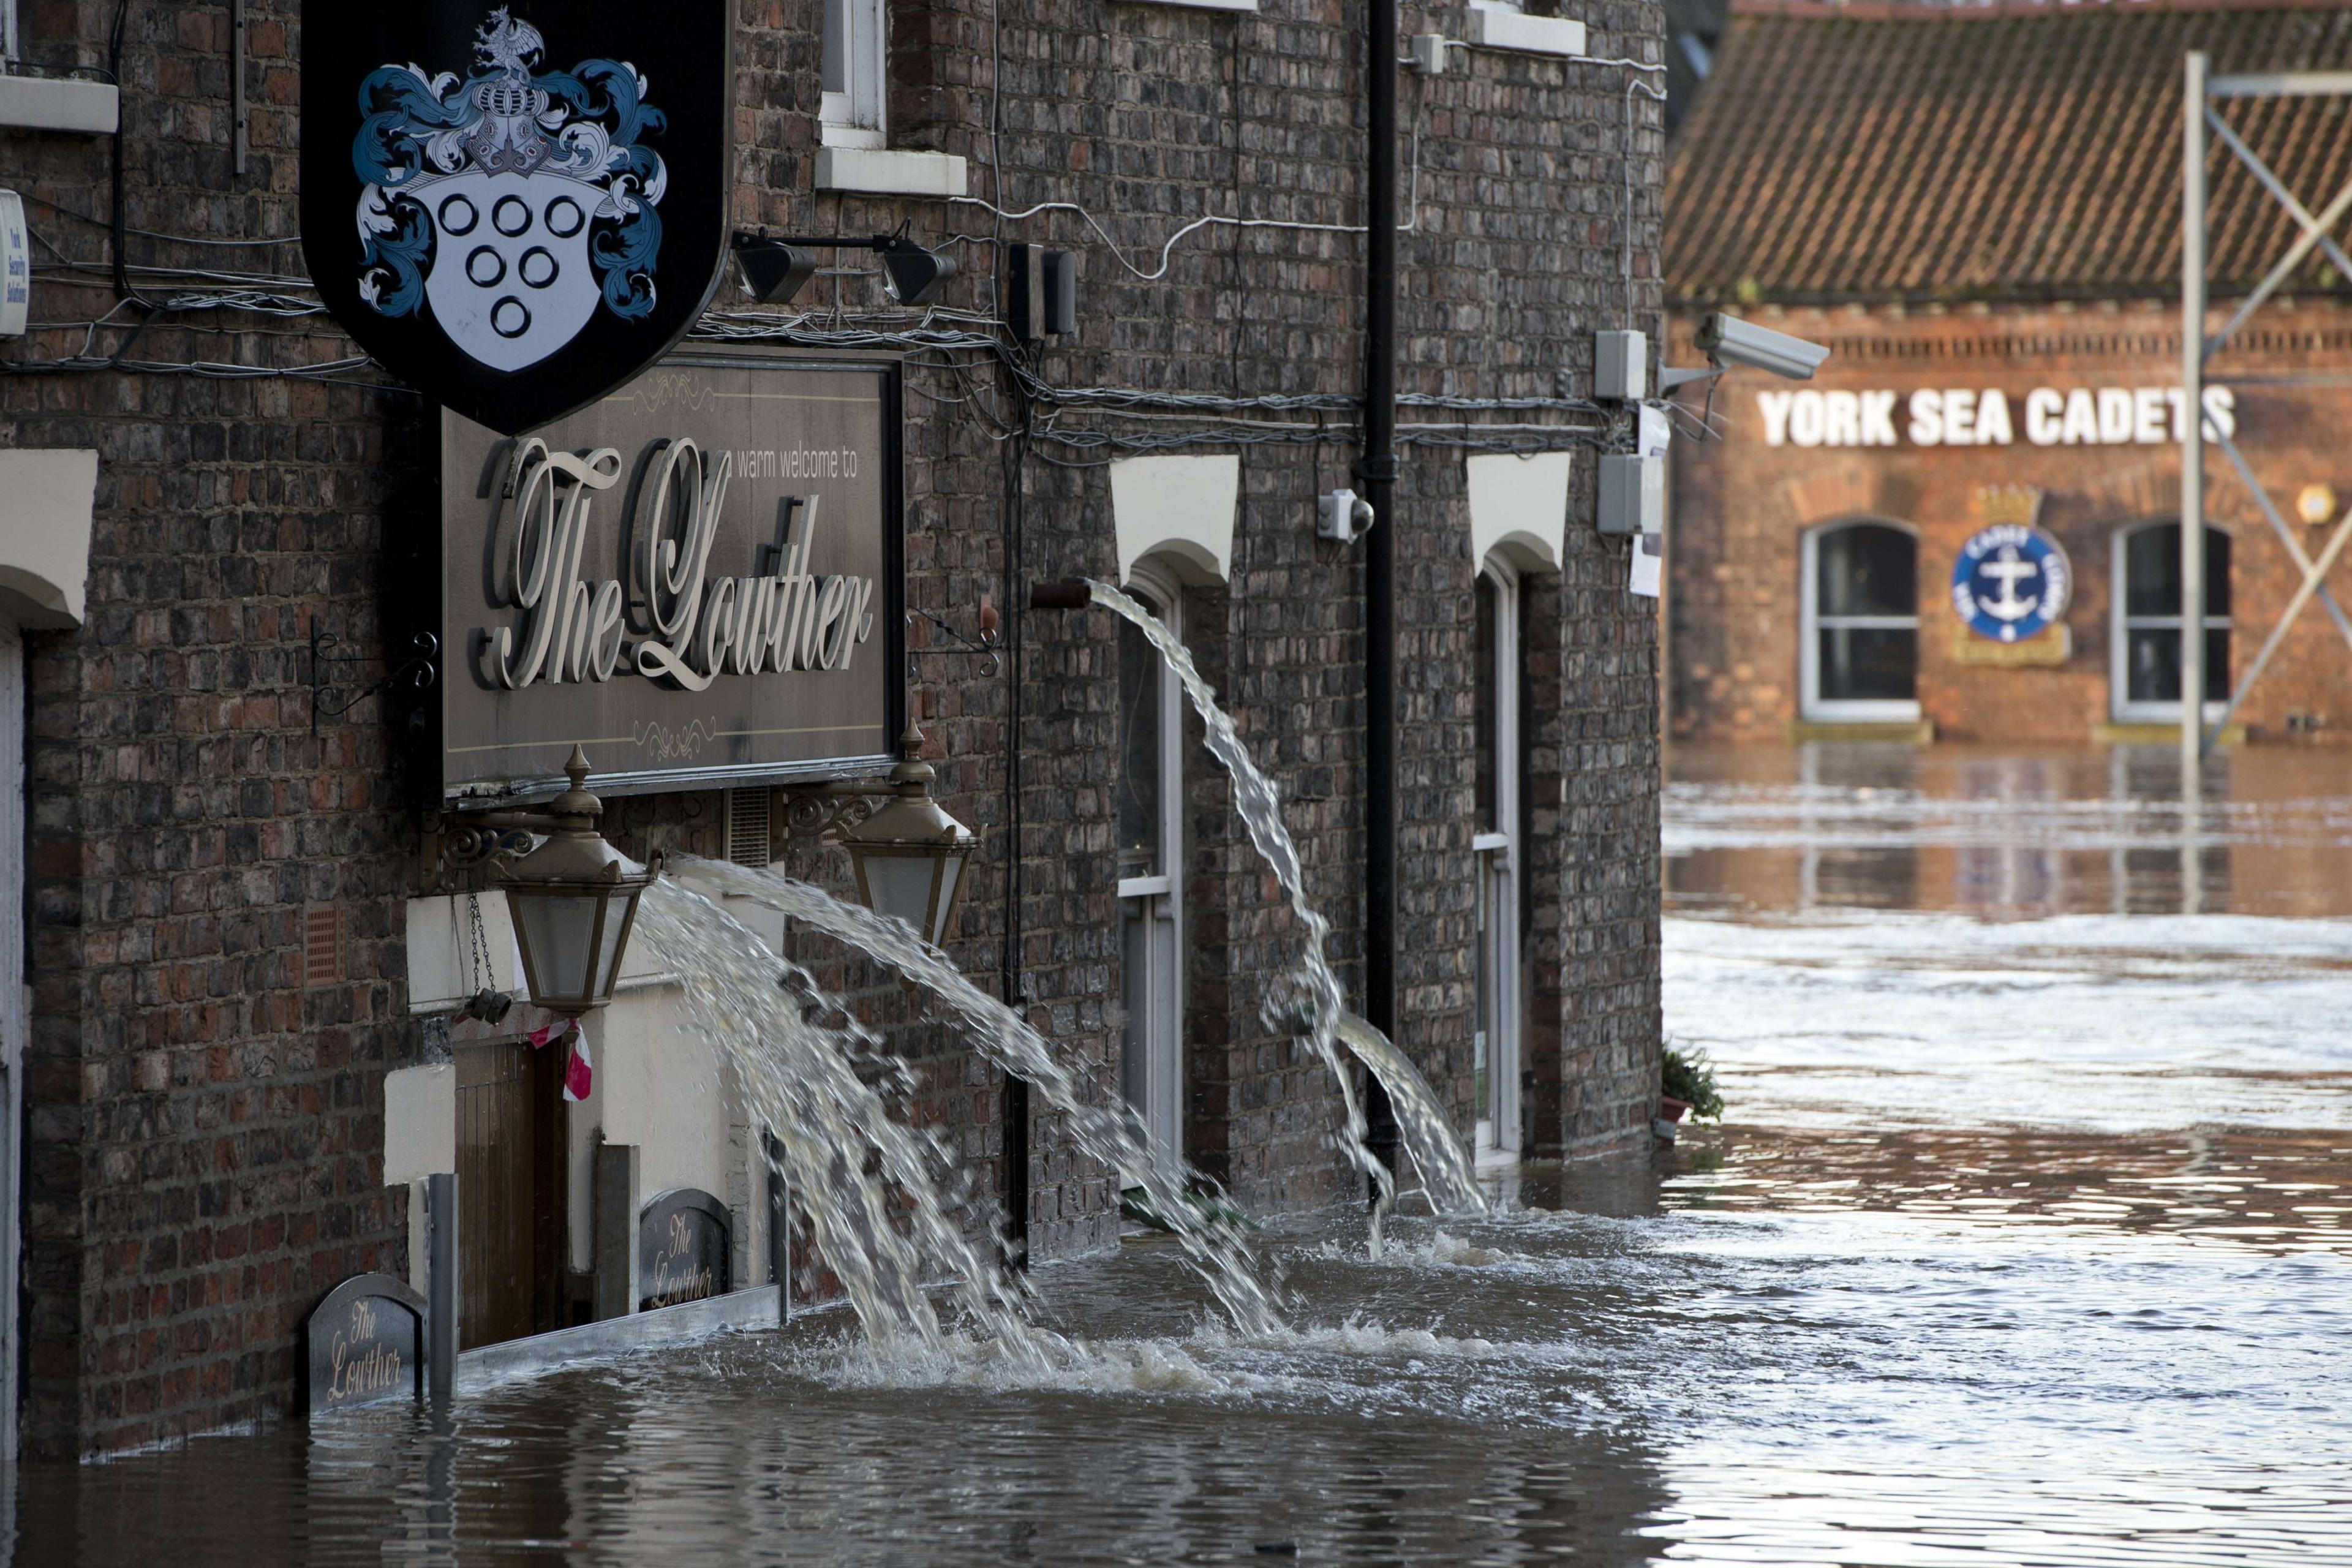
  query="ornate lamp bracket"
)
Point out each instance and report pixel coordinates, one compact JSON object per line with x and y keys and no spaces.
{"x":812,"y":810}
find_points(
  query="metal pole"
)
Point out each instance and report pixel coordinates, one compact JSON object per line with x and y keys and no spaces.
{"x":441,"y":1284}
{"x":2192,"y":427}
{"x":1378,"y":470}
{"x":239,"y":117}
{"x":780,"y":1228}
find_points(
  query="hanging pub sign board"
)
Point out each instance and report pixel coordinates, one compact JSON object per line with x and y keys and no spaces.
{"x":366,"y":1343}
{"x":516,"y":208}
{"x":695,"y":579}
{"x":2011,"y":582}
{"x":682,"y":1249}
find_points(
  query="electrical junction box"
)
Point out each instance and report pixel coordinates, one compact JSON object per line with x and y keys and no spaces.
{"x":15,"y":266}
{"x":1633,"y":494}
{"x":1426,"y":52}
{"x":1620,"y":365}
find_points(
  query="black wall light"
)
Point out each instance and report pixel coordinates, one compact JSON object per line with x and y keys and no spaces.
{"x":1042,"y":292}
{"x":775,"y":269}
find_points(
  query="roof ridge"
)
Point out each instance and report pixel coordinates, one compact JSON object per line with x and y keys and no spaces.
{"x":2039,"y":159}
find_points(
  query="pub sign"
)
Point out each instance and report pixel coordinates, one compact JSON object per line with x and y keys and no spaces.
{"x":695,"y":579}
{"x":515,"y":208}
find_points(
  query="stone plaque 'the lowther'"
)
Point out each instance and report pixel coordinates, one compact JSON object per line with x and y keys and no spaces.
{"x":682,"y":1249}
{"x":366,"y":1343}
{"x":696,"y":578}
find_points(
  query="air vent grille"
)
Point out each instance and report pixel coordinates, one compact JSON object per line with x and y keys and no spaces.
{"x":322,"y":944}
{"x":747,"y":826}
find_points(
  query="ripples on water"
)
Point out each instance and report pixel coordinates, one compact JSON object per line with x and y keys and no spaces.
{"x":2025,"y":1242}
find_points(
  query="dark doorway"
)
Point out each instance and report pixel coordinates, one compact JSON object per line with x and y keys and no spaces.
{"x":509,"y":1190}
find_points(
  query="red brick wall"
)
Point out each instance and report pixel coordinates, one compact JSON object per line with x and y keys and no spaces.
{"x":1740,"y":506}
{"x":206,"y":1135}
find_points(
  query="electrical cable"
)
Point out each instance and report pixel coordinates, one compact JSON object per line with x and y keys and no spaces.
{"x":1154,"y":275}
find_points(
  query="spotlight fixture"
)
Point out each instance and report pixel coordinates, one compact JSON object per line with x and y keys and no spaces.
{"x":775,"y":269}
{"x":912,"y":274}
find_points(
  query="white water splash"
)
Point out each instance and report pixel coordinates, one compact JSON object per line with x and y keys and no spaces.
{"x":1446,"y":1173}
{"x":870,"y":1185}
{"x":1215,"y":1249}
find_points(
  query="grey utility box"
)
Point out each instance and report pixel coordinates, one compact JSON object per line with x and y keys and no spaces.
{"x":1633,"y":494}
{"x":1621,"y":366}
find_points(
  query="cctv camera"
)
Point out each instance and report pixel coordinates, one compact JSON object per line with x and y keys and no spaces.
{"x":1727,"y":338}
{"x":1342,"y":515}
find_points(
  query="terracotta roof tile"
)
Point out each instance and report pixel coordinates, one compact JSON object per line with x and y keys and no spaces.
{"x":1994,"y":153}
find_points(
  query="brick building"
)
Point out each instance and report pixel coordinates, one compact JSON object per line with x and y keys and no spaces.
{"x":1978,"y":211}
{"x":245,"y":1043}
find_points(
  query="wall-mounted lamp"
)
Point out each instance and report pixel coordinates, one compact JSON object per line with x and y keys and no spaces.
{"x":573,"y":898}
{"x":909,"y":856}
{"x":1041,"y":291}
{"x":2316,"y":504}
{"x":775,"y":269}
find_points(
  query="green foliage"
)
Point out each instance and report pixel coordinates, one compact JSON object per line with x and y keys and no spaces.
{"x":1135,"y":1205}
{"x":1689,"y":1075}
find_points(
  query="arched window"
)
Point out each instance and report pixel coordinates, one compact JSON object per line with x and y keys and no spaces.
{"x":1861,"y":604}
{"x":1500,"y":761}
{"x":2144,"y":672}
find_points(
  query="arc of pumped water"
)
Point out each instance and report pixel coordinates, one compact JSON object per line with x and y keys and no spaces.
{"x":1212,"y":1247}
{"x":865,"y":1182}
{"x":1445,"y":1166}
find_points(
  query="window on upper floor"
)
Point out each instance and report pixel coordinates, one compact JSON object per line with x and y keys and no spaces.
{"x":855,"y":52}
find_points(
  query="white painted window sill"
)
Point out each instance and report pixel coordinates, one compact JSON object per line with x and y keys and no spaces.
{"x":1501,"y":27}
{"x":1250,"y":6}
{"x":885,"y":174}
{"x":49,"y":103}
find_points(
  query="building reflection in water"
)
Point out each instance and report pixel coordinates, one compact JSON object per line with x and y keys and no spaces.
{"x":2005,"y":834}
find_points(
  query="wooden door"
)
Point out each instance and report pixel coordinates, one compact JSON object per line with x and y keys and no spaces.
{"x":509,"y":1190}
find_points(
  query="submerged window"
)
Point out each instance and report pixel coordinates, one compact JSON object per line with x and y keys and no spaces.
{"x":2146,"y":677}
{"x":1861,"y":622}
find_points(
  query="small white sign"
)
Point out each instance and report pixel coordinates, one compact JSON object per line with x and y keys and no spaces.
{"x":1656,"y":432}
{"x":15,"y":266}
{"x":1649,"y":554}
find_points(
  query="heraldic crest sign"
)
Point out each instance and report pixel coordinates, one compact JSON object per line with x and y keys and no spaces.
{"x":513,"y":236}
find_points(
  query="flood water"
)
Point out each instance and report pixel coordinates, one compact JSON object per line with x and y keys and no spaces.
{"x":2025,"y":1241}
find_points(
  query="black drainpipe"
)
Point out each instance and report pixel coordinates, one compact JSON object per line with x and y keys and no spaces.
{"x":1377,"y":473}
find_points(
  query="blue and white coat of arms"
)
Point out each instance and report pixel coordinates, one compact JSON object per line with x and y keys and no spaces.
{"x":480,"y":194}
{"x":516,"y":237}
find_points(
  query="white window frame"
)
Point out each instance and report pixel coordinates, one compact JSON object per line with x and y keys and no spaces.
{"x":1812,"y":623}
{"x":2120,"y":626}
{"x":1161,"y":894}
{"x":15,"y":1006}
{"x":852,"y":112}
{"x":1500,"y":859}
{"x":7,"y":30}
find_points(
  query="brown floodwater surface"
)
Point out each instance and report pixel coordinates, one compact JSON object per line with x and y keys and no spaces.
{"x":2024,"y":1241}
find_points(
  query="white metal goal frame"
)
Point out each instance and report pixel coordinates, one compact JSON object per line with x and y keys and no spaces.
{"x":2204,"y":92}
